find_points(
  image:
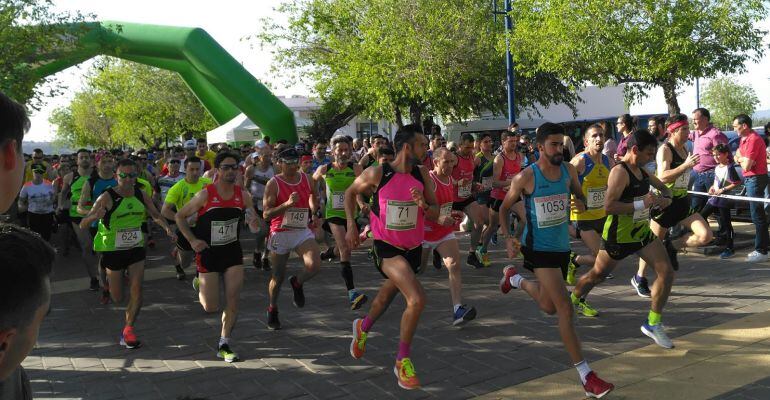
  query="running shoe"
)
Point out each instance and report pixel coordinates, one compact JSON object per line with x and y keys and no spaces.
{"x":463,"y":315}
{"x":196,"y":283}
{"x":225,"y":353}
{"x":494,"y":239}
{"x":104,"y":298}
{"x":407,"y":377}
{"x":94,"y":285}
{"x":436,"y":260}
{"x":571,"y":268}
{"x":474,"y":261}
{"x":180,"y":275}
{"x":364,"y":233}
{"x":358,"y":344}
{"x":328,"y":255}
{"x":479,"y":253}
{"x":266,"y":264}
{"x":128,"y":338}
{"x":595,"y":387}
{"x":256,"y":260}
{"x":671,"y":254}
{"x":727,"y":253}
{"x":272,"y":320}
{"x":174,"y":252}
{"x":641,"y":286}
{"x":299,"y":293}
{"x":370,"y":254}
{"x":582,"y":307}
{"x":756,"y":256}
{"x":505,"y":282}
{"x":658,"y":334}
{"x":357,"y":299}
{"x":151,"y":243}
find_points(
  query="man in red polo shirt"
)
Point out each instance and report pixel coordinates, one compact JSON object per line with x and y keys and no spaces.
{"x":751,"y":156}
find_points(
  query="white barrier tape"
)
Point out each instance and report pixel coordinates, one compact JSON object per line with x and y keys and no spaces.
{"x":730,"y":196}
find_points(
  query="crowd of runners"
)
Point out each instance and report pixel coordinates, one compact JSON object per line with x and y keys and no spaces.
{"x":406,"y":199}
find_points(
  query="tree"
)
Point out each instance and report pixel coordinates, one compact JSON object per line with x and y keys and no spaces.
{"x":725,"y":99}
{"x":333,"y":114}
{"x":29,"y":28}
{"x":399,"y":58}
{"x":643,"y":43}
{"x":129,"y":103}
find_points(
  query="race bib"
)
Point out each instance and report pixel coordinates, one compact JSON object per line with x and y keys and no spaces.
{"x":401,"y":215}
{"x":641,"y":215}
{"x":682,"y":181}
{"x":551,"y":210}
{"x":128,"y":238}
{"x":337,"y":200}
{"x":445,"y":210}
{"x":224,"y":232}
{"x":486,"y":183}
{"x":295,"y":218}
{"x":464,"y":190}
{"x":595,"y":198}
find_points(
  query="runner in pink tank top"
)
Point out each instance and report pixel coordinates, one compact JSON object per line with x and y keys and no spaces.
{"x":399,"y":203}
{"x":440,"y":236}
{"x":290,"y":204}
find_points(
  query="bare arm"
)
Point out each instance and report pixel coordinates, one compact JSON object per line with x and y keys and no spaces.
{"x":23,"y":201}
{"x":189,"y":209}
{"x":576,"y":189}
{"x":314,"y":201}
{"x":271,"y":197}
{"x":579,"y":162}
{"x":664,"y":158}
{"x":97,"y":212}
{"x":65,"y":189}
{"x":153,"y":211}
{"x":432,"y":212}
{"x":364,"y":183}
{"x":521,"y":183}
{"x":497,"y":170}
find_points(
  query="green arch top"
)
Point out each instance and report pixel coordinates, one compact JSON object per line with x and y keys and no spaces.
{"x":221,"y":84}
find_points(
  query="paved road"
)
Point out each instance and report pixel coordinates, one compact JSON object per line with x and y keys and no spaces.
{"x":511,"y":342}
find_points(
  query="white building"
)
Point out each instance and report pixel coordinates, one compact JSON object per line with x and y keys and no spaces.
{"x":303,"y":107}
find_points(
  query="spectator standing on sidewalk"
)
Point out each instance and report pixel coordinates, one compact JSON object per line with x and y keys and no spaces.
{"x":704,"y":137}
{"x":751,"y":156}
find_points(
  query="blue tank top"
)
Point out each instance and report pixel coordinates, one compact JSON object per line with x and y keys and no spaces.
{"x":99,"y":186}
{"x":548,"y":213}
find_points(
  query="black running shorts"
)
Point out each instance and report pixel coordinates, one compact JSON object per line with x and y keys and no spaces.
{"x":383,"y":250}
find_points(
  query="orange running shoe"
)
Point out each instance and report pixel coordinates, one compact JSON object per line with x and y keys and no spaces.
{"x":407,"y":378}
{"x":358,"y":345}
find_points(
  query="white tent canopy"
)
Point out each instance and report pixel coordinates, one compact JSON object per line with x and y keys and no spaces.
{"x":238,"y":129}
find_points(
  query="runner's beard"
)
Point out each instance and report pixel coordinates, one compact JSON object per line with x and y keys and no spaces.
{"x":556,"y":159}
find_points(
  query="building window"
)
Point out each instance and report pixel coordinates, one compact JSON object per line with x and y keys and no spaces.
{"x":367,"y":128}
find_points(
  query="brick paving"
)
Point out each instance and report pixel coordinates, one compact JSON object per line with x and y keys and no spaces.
{"x":510,"y":342}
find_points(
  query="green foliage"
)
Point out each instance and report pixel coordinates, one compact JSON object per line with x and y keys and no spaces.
{"x":393,"y":57}
{"x":28,"y":29}
{"x":130,"y":103}
{"x":725,"y":99}
{"x":644,"y":43}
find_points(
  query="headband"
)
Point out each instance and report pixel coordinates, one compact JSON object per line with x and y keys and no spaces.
{"x":676,"y":125}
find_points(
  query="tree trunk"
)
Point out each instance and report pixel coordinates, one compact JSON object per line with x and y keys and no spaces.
{"x":669,"y":93}
{"x":415,"y":113}
{"x":399,"y":118}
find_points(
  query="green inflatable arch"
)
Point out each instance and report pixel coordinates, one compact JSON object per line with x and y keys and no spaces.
{"x":221,"y":84}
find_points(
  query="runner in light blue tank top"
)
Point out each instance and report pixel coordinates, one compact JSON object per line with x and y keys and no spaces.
{"x":548,"y":213}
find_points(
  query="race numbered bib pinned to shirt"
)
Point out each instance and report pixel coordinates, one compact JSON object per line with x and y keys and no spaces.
{"x":295,"y":218}
{"x":128,"y":238}
{"x":337,"y":200}
{"x":682,"y":181}
{"x":445,"y":210}
{"x":465,"y":190}
{"x":486,"y":183}
{"x":224,"y":232}
{"x":641,"y":215}
{"x":401,"y":215}
{"x":595,"y":198}
{"x":551,"y":210}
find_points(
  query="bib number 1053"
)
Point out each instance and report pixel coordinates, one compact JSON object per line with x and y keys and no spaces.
{"x":551,"y":210}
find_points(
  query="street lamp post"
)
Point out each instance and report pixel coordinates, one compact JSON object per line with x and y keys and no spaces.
{"x":508,"y":58}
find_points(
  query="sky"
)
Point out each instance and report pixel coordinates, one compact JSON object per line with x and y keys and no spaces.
{"x":229,"y":21}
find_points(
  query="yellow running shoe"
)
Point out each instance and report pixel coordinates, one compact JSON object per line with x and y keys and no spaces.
{"x":358,"y":345}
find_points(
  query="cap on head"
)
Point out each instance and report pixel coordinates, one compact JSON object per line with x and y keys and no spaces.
{"x":290,"y":155}
{"x":191,"y":144}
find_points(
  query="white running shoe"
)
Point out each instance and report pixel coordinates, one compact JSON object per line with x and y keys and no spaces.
{"x":756,"y":256}
{"x":658,"y":334}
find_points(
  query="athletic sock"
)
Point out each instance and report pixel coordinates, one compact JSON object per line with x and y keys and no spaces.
{"x":295,"y":284}
{"x":575,"y":299}
{"x":224,"y":340}
{"x":654,"y":318}
{"x":366,"y":324}
{"x":516,"y":280}
{"x":347,"y":274}
{"x":403,"y":350}
{"x":456,"y":307}
{"x":583,"y":369}
{"x":272,"y":308}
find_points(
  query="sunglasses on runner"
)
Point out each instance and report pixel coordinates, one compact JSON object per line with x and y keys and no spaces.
{"x":290,"y":161}
{"x":228,"y":167}
{"x":131,"y":175}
